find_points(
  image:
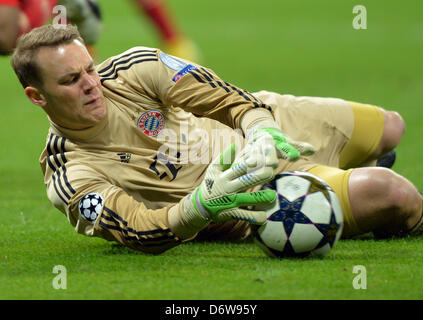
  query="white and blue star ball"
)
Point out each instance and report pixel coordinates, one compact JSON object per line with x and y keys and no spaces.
{"x":90,"y":206}
{"x":306,"y":219}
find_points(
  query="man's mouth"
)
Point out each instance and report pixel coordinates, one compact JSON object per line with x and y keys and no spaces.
{"x":92,"y":100}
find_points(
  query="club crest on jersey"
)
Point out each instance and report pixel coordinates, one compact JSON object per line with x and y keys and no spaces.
{"x":90,"y":206}
{"x":151,"y":123}
{"x":183,"y":72}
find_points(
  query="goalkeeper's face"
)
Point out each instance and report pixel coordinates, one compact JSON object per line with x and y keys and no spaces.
{"x":71,"y":91}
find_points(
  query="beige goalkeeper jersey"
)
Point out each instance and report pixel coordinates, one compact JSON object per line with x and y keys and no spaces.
{"x":166,"y":120}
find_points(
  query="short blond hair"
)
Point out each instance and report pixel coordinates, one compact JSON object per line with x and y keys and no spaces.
{"x":23,"y":58}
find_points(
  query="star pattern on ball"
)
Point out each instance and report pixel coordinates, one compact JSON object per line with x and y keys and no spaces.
{"x":289,"y":213}
{"x":304,"y":226}
{"x":329,"y":231}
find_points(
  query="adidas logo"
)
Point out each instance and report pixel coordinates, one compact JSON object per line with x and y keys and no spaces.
{"x":209,"y":184}
{"x":124,"y":157}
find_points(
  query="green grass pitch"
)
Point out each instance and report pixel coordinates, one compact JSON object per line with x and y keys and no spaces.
{"x":298,"y":47}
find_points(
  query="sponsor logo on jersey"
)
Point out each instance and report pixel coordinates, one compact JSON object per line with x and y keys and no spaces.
{"x":90,"y":206}
{"x":183,"y":72}
{"x":151,"y":123}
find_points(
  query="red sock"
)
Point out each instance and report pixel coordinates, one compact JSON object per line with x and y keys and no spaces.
{"x":157,"y":12}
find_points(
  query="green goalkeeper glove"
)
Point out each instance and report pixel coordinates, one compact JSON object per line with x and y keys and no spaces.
{"x":218,"y":199}
{"x":285,"y":148}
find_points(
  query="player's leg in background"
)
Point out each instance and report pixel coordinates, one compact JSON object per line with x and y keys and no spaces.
{"x":9,"y":28}
{"x":86,"y":15}
{"x":173,"y":39}
{"x":15,"y":20}
{"x":20,"y":18}
{"x":38,"y":12}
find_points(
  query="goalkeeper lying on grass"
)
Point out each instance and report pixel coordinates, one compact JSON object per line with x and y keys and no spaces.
{"x":134,"y":148}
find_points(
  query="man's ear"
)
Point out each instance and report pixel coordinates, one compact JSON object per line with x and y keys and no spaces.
{"x":35,"y":96}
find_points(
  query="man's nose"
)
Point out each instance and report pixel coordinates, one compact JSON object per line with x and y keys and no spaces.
{"x":89,"y":82}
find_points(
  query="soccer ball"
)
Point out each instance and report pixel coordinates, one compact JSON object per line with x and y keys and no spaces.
{"x":306,"y":218}
{"x":90,"y":206}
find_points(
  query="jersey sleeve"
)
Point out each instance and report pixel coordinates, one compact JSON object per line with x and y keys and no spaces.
{"x":179,"y":83}
{"x":202,"y":92}
{"x":97,"y":207}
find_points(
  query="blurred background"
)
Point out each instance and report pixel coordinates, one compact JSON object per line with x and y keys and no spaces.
{"x":305,"y":47}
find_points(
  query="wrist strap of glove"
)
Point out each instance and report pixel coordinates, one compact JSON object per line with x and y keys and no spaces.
{"x":193,"y":216}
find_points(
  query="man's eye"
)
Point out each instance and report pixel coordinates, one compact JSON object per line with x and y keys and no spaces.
{"x":71,"y":80}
